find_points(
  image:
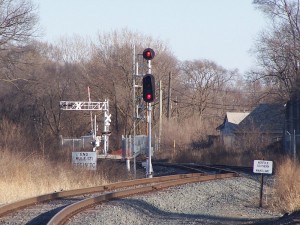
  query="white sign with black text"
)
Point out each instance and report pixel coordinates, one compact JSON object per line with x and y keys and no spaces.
{"x":86,"y":160}
{"x":263,"y":166}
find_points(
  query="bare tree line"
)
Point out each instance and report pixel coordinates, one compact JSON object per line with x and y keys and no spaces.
{"x":36,"y":75}
{"x":278,"y":48}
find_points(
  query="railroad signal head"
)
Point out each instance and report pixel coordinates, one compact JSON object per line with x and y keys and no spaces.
{"x":148,"y":54}
{"x":148,"y":88}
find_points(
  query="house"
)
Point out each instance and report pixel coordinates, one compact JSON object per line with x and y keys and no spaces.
{"x":266,"y":121}
{"x":229,"y":126}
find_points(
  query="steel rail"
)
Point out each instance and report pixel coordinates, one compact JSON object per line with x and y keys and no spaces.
{"x":195,"y":167}
{"x":8,"y":208}
{"x":63,"y":216}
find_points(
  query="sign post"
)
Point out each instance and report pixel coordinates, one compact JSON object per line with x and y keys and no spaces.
{"x":262,"y":167}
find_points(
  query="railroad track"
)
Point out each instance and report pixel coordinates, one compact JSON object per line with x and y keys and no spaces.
{"x":214,"y":169}
{"x":63,"y":216}
{"x":73,"y":201}
{"x":65,"y":204}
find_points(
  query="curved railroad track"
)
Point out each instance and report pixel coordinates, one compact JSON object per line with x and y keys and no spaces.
{"x":63,"y":216}
{"x":57,"y":208}
{"x":72,"y":201}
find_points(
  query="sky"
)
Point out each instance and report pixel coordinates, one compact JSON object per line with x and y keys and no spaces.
{"x":223,"y":31}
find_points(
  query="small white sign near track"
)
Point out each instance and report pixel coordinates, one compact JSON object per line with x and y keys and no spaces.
{"x":262,"y":166}
{"x":86,"y":160}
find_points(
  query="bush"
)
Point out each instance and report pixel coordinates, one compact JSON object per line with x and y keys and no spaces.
{"x":287,"y":186}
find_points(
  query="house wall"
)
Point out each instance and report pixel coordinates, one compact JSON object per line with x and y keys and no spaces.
{"x":227,"y":134}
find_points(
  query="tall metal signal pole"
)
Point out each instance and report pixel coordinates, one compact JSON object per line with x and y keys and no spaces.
{"x":149,"y":96}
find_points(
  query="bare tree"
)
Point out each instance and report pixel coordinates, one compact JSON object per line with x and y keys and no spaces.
{"x":111,"y":71}
{"x":18,"y":21}
{"x":203,"y":80}
{"x":278,"y":48}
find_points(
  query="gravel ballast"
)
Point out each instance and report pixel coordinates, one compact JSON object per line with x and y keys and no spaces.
{"x":228,"y":201}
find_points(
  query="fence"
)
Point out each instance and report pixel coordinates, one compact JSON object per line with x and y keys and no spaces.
{"x":82,"y":143}
{"x":140,"y":143}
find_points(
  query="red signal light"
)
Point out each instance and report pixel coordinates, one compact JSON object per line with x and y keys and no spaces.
{"x":148,"y":54}
{"x":148,"y":96}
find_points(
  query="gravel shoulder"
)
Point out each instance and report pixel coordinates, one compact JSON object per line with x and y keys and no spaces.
{"x":228,"y":201}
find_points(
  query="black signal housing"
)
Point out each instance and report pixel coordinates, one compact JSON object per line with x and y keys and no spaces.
{"x":148,"y":88}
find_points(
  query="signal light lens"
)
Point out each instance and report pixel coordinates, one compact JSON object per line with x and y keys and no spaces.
{"x":148,"y":54}
{"x":149,"y":96}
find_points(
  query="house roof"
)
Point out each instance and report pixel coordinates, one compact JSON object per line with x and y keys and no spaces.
{"x":233,"y":118}
{"x":236,"y":117}
{"x":265,"y":117}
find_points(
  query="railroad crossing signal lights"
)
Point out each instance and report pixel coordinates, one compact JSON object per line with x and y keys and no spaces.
{"x":148,"y":54}
{"x":148,"y":88}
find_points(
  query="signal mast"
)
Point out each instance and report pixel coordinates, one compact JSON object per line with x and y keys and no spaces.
{"x":149,"y":97}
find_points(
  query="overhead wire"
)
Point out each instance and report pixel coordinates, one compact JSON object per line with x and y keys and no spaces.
{"x":210,"y":103}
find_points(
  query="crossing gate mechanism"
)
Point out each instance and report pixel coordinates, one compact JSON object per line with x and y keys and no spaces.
{"x":93,"y":106}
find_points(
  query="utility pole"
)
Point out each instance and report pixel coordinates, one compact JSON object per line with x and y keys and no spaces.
{"x":134,"y":74}
{"x":169,"y":97}
{"x":160,"y":114}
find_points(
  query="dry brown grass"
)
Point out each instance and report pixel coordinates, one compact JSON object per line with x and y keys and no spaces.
{"x":214,"y":155}
{"x":23,"y":176}
{"x":178,"y":134}
{"x":187,"y":142}
{"x":13,"y":135}
{"x":29,"y":172}
{"x":287,"y":187}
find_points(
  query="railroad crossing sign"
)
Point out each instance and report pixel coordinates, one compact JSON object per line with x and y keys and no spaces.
{"x":107,"y":119}
{"x":92,"y":106}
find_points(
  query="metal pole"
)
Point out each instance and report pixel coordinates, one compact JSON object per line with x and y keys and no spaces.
{"x":134,"y":73}
{"x":261,"y":190}
{"x":294,"y":149}
{"x":290,"y":142}
{"x":134,"y":166}
{"x":95,"y":135}
{"x":149,"y":167}
{"x":127,"y":154}
{"x":169,"y":97}
{"x":160,"y":114}
{"x":149,"y":66}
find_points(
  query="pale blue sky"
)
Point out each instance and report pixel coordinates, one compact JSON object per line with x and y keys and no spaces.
{"x":218,"y":30}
